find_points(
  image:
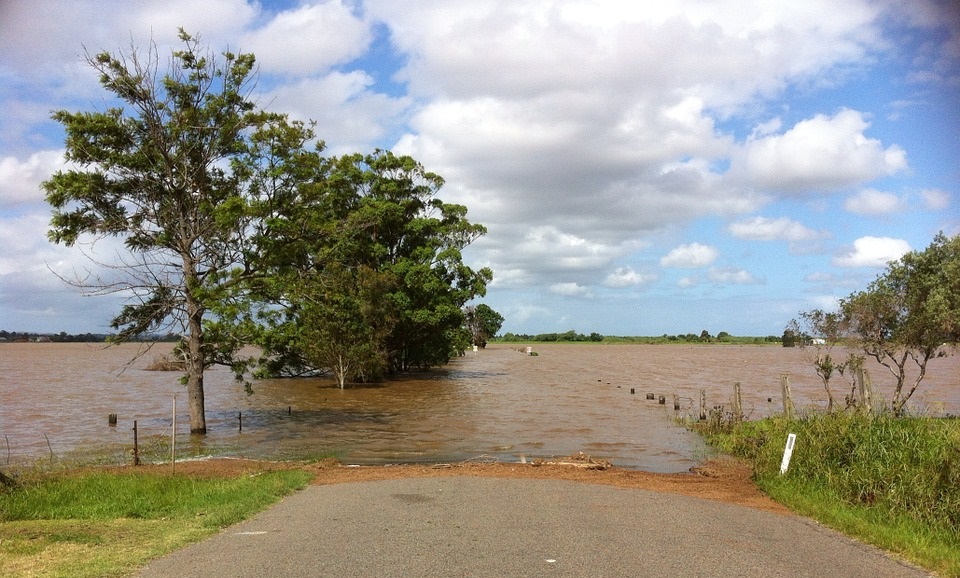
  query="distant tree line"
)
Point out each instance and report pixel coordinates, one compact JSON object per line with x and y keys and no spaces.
{"x":574,"y":337}
{"x":568,"y":336}
{"x":64,"y":337}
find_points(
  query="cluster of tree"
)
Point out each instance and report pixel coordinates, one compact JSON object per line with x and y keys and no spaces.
{"x":240,"y":231}
{"x":64,"y":337}
{"x":567,"y":337}
{"x":704,"y":337}
{"x":721,"y":337}
{"x":907,"y":316}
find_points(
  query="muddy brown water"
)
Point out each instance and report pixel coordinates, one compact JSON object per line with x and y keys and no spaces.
{"x":497,"y":403}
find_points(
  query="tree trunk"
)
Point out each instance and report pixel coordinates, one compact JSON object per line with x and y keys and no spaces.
{"x":198,"y":420}
{"x":195,"y":358}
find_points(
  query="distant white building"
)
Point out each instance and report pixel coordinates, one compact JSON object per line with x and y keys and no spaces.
{"x":818,"y":341}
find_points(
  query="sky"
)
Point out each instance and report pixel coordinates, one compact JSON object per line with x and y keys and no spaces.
{"x":642,"y":168}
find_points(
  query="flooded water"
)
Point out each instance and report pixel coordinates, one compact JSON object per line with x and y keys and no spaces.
{"x":494,"y":404}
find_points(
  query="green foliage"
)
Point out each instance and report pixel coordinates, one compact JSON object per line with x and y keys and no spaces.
{"x":483,"y":323}
{"x":904,"y":465}
{"x":907,"y":315}
{"x":240,"y":233}
{"x":894,"y":482}
{"x":366,"y":273}
{"x":161,"y":171}
{"x":345,"y":319}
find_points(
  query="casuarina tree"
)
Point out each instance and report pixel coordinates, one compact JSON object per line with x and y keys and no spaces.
{"x":162,"y":169}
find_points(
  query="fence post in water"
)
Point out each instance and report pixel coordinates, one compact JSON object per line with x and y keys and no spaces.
{"x":240,"y":419}
{"x":136,"y":445}
{"x":787,"y":396}
{"x":112,"y":419}
{"x":662,"y":400}
{"x":676,"y":402}
{"x":737,"y":403}
{"x":703,"y":405}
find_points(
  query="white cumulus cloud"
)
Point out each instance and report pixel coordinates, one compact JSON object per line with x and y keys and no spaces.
{"x":731,"y":276}
{"x":627,"y":277}
{"x":873,"y":202}
{"x":20,"y":180}
{"x":309,"y":39}
{"x":765,"y":229}
{"x":872,"y":252}
{"x":690,"y":256}
{"x":935,"y":199}
{"x":822,"y":153}
{"x":570,"y":290}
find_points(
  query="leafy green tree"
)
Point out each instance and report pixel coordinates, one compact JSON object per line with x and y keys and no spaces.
{"x":377,"y":214}
{"x":157,"y":171}
{"x":483,"y":323}
{"x":909,"y":313}
{"x":345,"y":323}
{"x":906,"y":316}
{"x":418,"y":238}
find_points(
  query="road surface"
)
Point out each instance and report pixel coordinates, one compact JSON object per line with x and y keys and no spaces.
{"x":486,"y":527}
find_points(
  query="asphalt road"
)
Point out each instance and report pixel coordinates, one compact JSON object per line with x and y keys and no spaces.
{"x":484,"y":527}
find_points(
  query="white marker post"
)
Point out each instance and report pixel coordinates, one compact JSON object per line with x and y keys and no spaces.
{"x":173,"y":436}
{"x":787,"y":452}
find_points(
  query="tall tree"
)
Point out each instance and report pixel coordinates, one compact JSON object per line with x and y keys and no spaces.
{"x":157,"y":171}
{"x":417,"y":238}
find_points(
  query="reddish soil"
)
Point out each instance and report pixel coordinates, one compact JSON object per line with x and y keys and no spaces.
{"x":723,"y":480}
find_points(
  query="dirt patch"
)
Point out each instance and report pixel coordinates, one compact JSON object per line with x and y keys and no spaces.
{"x":722,"y":480}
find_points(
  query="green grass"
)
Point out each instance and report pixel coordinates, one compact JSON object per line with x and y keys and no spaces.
{"x":891,"y":482}
{"x":107,"y":524}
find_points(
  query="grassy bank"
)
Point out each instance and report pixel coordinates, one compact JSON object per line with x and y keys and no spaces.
{"x":96,"y":523}
{"x":894,"y":483}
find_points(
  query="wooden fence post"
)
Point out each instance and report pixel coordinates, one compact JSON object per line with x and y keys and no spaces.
{"x":865,"y":387}
{"x":787,"y":396}
{"x":136,"y":445}
{"x":737,"y":403}
{"x":703,"y":405}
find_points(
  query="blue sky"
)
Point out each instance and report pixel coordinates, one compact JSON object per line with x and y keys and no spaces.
{"x":642,"y":169}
